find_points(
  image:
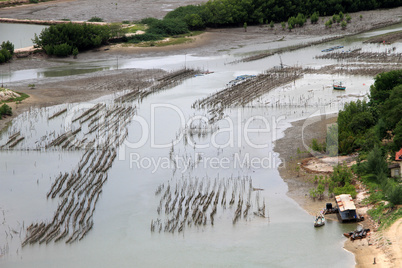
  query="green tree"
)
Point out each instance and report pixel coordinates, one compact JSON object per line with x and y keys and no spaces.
{"x":194,"y":21}
{"x":383,"y":84}
{"x":376,"y":166}
{"x":5,"y":110}
{"x":391,"y":108}
{"x":342,"y":175}
{"x":341,"y":15}
{"x":344,"y":24}
{"x":398,"y":136}
{"x":57,"y":39}
{"x":300,"y":20}
{"x":272,"y":24}
{"x":8,"y":45}
{"x":315,"y":17}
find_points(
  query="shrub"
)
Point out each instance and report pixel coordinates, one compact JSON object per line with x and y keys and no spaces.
{"x":5,"y":110}
{"x":168,"y":27}
{"x":394,"y":194}
{"x":300,"y":20}
{"x":343,"y":25}
{"x":57,"y":39}
{"x":316,"y":146}
{"x":272,"y":24}
{"x":9,"y":46}
{"x":144,"y":38}
{"x":347,"y":189}
{"x":149,"y":21}
{"x":314,"y":18}
{"x":5,"y":55}
{"x":328,"y":23}
{"x":342,"y":175}
{"x":75,"y":51}
{"x":62,"y":50}
{"x":194,"y":21}
{"x":95,"y":19}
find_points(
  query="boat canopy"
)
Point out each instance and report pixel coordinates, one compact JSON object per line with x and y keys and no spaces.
{"x":345,"y":202}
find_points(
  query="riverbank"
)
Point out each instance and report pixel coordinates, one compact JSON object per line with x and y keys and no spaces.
{"x":385,"y":246}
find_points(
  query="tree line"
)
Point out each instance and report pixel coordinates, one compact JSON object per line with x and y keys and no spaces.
{"x":374,"y":129}
{"x":218,"y":13}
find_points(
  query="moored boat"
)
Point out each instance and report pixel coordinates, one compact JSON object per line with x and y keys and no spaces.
{"x":319,"y":220}
{"x":339,"y":86}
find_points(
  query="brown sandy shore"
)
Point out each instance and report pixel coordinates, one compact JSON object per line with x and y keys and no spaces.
{"x":384,"y":246}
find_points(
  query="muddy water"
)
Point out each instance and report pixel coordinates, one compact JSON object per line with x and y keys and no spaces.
{"x":243,"y":147}
{"x":122,"y":236}
{"x":20,"y":35}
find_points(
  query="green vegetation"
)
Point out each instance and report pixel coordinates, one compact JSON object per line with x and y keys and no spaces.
{"x":6,"y":51}
{"x":362,"y":125}
{"x":95,"y":19}
{"x":61,"y":39}
{"x":385,"y":215}
{"x":339,"y":182}
{"x":374,"y":128}
{"x":218,"y":13}
{"x":5,"y":110}
{"x":315,"y":17}
{"x":316,"y":146}
{"x":328,"y":23}
{"x":22,"y":97}
{"x":343,"y":25}
{"x":134,"y":28}
{"x":160,"y":29}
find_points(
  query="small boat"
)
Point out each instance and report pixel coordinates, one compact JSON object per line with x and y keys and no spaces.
{"x":319,"y":220}
{"x":339,"y":86}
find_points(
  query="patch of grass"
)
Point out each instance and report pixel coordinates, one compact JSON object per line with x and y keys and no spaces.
{"x":391,"y":218}
{"x":22,"y":97}
{"x":385,"y":215}
{"x":134,"y":28}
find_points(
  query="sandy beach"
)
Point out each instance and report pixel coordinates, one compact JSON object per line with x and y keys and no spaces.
{"x":385,"y":247}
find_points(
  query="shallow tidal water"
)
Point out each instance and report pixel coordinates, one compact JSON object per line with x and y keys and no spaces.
{"x":122,"y":235}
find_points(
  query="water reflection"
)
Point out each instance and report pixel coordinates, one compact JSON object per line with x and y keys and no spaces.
{"x":67,"y":72}
{"x":19,"y":34}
